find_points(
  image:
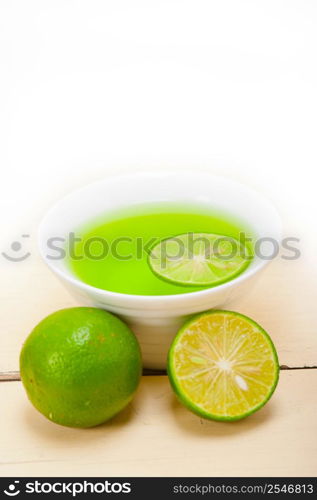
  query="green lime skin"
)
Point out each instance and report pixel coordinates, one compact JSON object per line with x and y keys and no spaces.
{"x":80,"y":366}
{"x":182,"y":396}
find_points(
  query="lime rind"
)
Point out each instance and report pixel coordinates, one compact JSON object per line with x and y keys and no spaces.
{"x":185,"y":398}
{"x":199,"y":259}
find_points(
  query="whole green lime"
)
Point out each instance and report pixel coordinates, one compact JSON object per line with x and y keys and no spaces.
{"x":80,"y":366}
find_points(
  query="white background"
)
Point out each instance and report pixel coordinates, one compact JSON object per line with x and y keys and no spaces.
{"x":94,"y":87}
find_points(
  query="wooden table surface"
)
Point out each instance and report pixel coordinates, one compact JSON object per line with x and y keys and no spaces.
{"x":155,"y":435}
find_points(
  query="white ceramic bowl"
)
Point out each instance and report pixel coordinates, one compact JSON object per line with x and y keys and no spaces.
{"x":156,"y":319}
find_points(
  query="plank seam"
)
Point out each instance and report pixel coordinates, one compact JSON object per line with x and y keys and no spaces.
{"x":14,"y":376}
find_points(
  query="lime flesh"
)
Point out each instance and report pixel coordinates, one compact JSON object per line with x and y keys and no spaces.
{"x":199,"y":259}
{"x":223,"y":366}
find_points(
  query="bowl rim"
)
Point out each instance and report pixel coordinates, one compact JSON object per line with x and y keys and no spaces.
{"x":133,"y":299}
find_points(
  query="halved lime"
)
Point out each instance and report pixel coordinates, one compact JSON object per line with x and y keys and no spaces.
{"x":223,"y":366}
{"x":199,"y":259}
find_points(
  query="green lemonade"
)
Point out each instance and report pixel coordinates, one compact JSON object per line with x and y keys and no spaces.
{"x":113,"y":250}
